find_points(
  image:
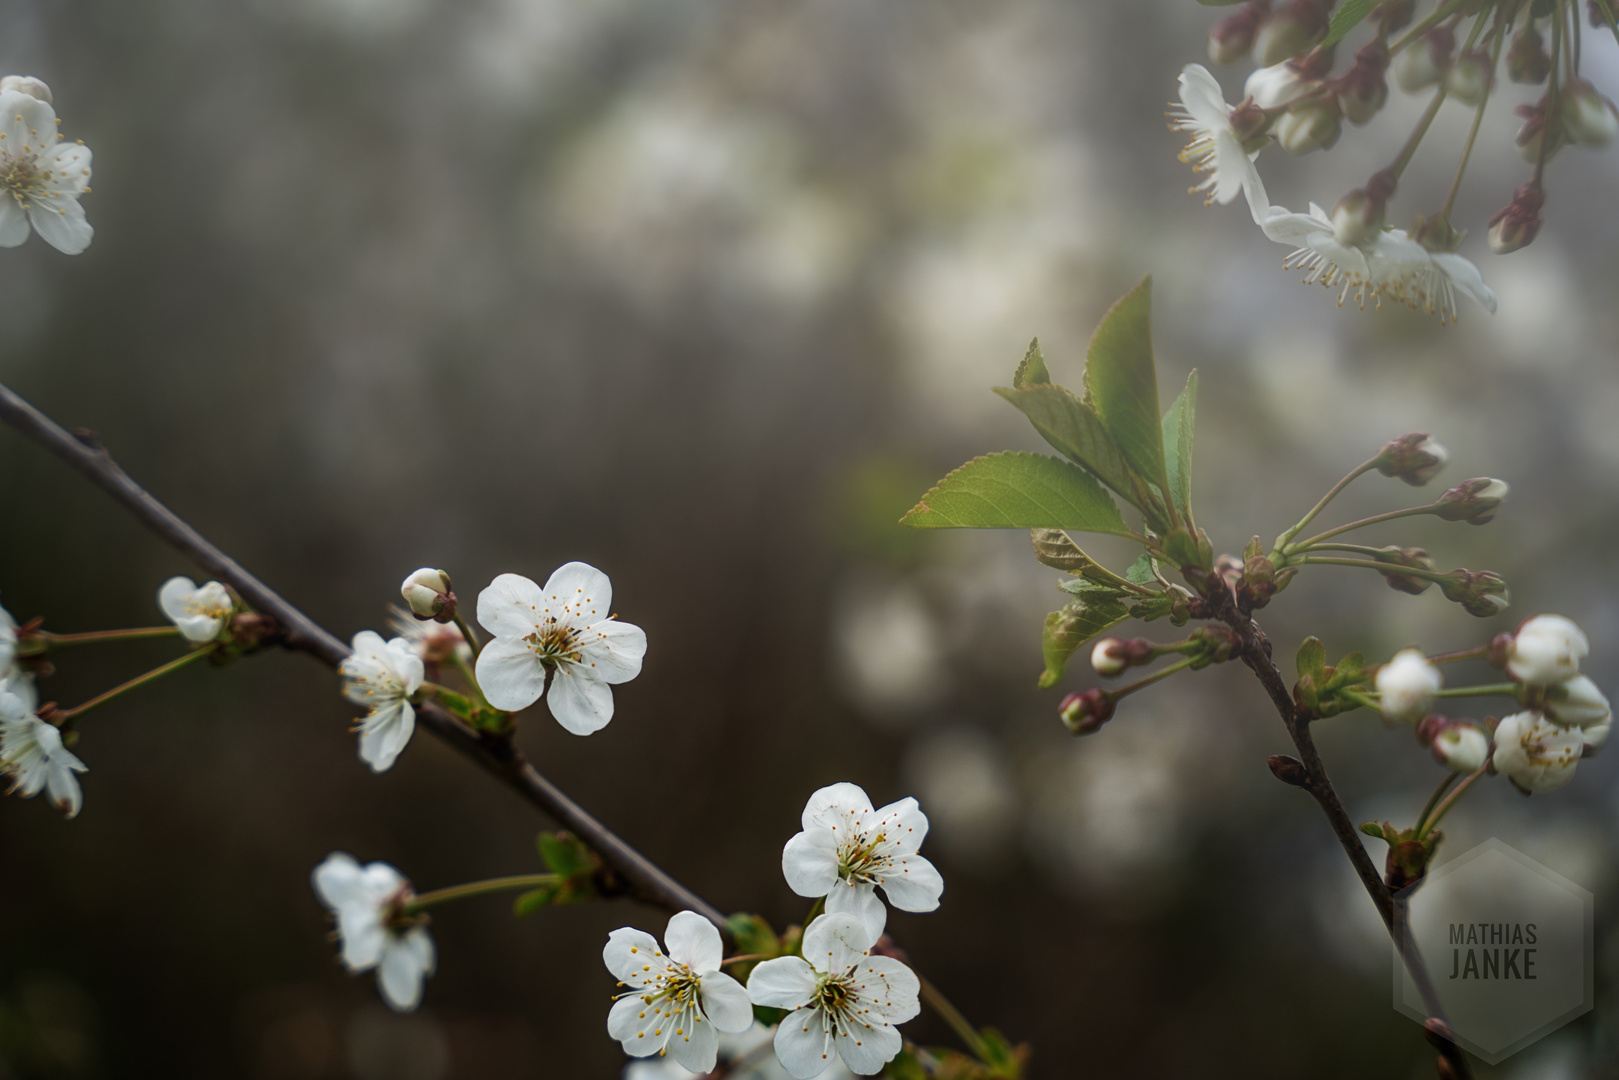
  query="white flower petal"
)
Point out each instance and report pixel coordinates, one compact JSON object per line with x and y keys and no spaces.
{"x":693,"y":940}
{"x":574,"y":582}
{"x":385,"y":733}
{"x":1202,"y":96}
{"x":860,"y":902}
{"x":511,"y":676}
{"x":695,"y":1047}
{"x":810,"y":862}
{"x":14,"y":228}
{"x":726,"y":1004}
{"x":830,"y":806}
{"x":867,"y":1048}
{"x":902,"y":823}
{"x":510,"y":606}
{"x":1466,"y":279}
{"x":400,"y":975}
{"x":836,"y":942}
{"x":612,"y":651}
{"x":173,"y":597}
{"x":623,"y":1023}
{"x":61,"y":223}
{"x":579,"y":703}
{"x":902,"y":989}
{"x":803,"y":1044}
{"x":913,"y":884}
{"x":631,"y":955}
{"x":786,"y":982}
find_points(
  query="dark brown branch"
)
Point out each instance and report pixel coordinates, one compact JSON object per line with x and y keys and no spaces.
{"x":497,"y":756}
{"x":1256,"y":653}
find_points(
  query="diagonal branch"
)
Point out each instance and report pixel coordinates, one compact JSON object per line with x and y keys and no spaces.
{"x":496,"y":755}
{"x":1256,"y":653}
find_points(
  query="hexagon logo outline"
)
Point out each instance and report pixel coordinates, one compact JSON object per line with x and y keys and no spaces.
{"x":1498,"y":859}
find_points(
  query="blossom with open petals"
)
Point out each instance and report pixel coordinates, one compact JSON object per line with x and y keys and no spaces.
{"x":677,"y":1003}
{"x":1215,"y":147}
{"x":32,"y":754}
{"x":1425,"y":281}
{"x":372,"y":932}
{"x":1325,"y":259}
{"x":41,"y":177}
{"x":200,"y":613}
{"x":745,"y":1056}
{"x":847,"y":849}
{"x":434,"y":642}
{"x":844,"y":1001}
{"x":382,"y":675}
{"x":1536,"y":754}
{"x":564,"y":631}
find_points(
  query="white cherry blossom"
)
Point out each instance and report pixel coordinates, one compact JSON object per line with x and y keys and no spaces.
{"x":367,"y":901}
{"x":32,"y":754}
{"x":200,"y":613}
{"x":1325,"y":259}
{"x":844,"y":1001}
{"x":565,"y":631}
{"x":1406,"y":686}
{"x":679,"y":1003}
{"x":748,"y":1056}
{"x":1425,"y":281}
{"x":1547,"y":649}
{"x":1215,"y":148}
{"x":1536,"y":754}
{"x":847,"y":849}
{"x":382,"y":675}
{"x":41,"y":177}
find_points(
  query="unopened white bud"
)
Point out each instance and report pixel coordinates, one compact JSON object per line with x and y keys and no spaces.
{"x":26,"y":84}
{"x":1595,"y":736}
{"x":1577,"y":703}
{"x":1407,"y":685}
{"x":1470,"y":77}
{"x":1547,"y":649}
{"x":1588,"y":118}
{"x":1425,"y":62}
{"x":424,"y":592}
{"x":1273,"y":86}
{"x":1107,"y":658}
{"x":1463,"y":747}
{"x":1312,"y":125}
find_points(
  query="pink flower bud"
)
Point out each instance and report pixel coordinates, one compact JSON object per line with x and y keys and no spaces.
{"x":1514,"y":226}
{"x":1085,"y":711}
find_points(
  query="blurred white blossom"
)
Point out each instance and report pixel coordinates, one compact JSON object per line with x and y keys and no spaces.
{"x":371,"y":934}
{"x":42,"y":175}
{"x":382,"y":675}
{"x":1547,"y":649}
{"x":1407,"y":685}
{"x":200,"y":613}
{"x":32,"y":754}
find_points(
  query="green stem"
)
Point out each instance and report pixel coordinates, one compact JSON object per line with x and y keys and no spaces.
{"x":1451,"y":800}
{"x":1359,"y":470}
{"x":1397,"y":166}
{"x":467,"y":632}
{"x":1143,"y":683}
{"x":478,"y":888}
{"x":1460,"y":654}
{"x":134,"y":684}
{"x":1375,"y":519}
{"x":958,"y":1023}
{"x":469,"y":675}
{"x":1433,"y":800}
{"x":1554,"y":108}
{"x":1381,"y":567}
{"x":1505,"y":689}
{"x":1357,"y":549}
{"x":90,"y":637}
{"x":1365,"y":701}
{"x":1472,"y":134}
{"x":1440,"y":13}
{"x":1606,"y":7}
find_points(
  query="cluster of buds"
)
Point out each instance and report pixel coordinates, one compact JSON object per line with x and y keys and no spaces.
{"x":428,"y":595}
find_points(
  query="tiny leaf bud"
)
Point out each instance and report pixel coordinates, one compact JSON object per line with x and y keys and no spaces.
{"x":1415,"y":458}
{"x":1289,"y":770}
{"x":1474,"y":501}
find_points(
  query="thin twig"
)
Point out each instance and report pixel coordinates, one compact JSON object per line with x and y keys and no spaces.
{"x":495,"y":754}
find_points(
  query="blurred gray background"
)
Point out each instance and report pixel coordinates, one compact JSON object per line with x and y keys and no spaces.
{"x":706,"y":293}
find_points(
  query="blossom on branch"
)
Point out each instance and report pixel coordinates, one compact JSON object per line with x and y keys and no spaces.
{"x":564,"y":632}
{"x":434,"y":642}
{"x":1406,"y":686}
{"x":844,"y":1001}
{"x":678,"y":1003}
{"x":382,"y":675}
{"x":200,"y":613}
{"x":32,"y":754}
{"x":1546,"y":649}
{"x":1218,"y":146}
{"x":372,"y":929}
{"x":847,"y":849}
{"x":41,"y":177}
{"x":1536,"y":754}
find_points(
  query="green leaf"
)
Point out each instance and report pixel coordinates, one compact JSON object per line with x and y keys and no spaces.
{"x":1179,"y":545}
{"x":1057,"y":549}
{"x":1072,"y":626}
{"x":1074,"y":429}
{"x":1312,"y":659}
{"x":1017,"y":491}
{"x":1178,"y":423}
{"x":1123,"y":383}
{"x":1152,"y":607}
{"x":530,"y":902}
{"x":1143,"y":571}
{"x":566,"y":855}
{"x":753,"y":935}
{"x":1346,"y":18}
{"x":1032,"y":371}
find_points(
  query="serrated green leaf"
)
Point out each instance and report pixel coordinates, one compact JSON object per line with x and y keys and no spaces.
{"x":1121,"y":379}
{"x":1057,"y":549}
{"x":1017,"y":491}
{"x":1089,"y":589}
{"x":1077,"y":432}
{"x":1032,"y":370}
{"x":1069,"y":628}
{"x":1178,"y":424}
{"x":1346,"y":18}
{"x":1143,"y":571}
{"x":565,"y":854}
{"x":1152,"y":607}
{"x":530,"y":902}
{"x":1312,"y":659}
